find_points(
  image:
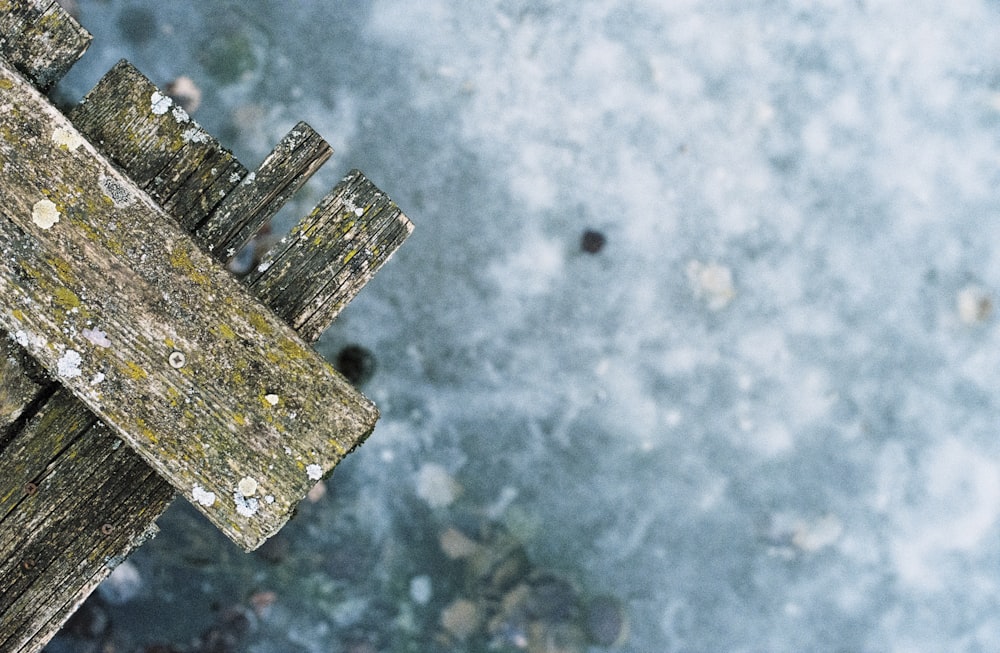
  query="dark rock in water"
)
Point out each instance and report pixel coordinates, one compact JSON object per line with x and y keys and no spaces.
{"x":356,"y":363}
{"x":592,"y":241}
{"x":606,"y":622}
{"x":552,"y":598}
{"x":227,"y":635}
{"x":137,"y":25}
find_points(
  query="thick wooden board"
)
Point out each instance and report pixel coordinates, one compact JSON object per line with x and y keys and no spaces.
{"x":40,"y":39}
{"x":330,"y":255}
{"x":168,"y":155}
{"x":250,"y":407}
{"x":73,"y":501}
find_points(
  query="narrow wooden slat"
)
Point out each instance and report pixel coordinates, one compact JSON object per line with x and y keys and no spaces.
{"x":40,"y":40}
{"x":251,"y":401}
{"x":323,"y":263}
{"x":167,"y":154}
{"x":244,"y":211}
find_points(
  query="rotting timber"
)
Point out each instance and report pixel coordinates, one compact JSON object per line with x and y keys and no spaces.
{"x":132,"y":365}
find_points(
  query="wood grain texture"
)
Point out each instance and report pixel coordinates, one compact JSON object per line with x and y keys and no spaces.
{"x":255,"y":201}
{"x":75,"y":500}
{"x":166,"y":153}
{"x":40,"y":40}
{"x":250,"y":400}
{"x":328,"y":257}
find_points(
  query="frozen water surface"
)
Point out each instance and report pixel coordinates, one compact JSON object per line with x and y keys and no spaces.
{"x":763,"y":415}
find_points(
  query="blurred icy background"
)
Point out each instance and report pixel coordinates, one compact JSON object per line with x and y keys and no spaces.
{"x":762,"y":416}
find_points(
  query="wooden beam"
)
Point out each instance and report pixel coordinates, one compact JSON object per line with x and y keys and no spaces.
{"x":222,"y":399}
{"x":40,"y":40}
{"x":73,"y":501}
{"x":166,"y":153}
{"x":330,"y":255}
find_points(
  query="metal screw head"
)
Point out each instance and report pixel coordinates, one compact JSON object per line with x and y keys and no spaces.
{"x":176,"y":359}
{"x":107,"y":529}
{"x":30,"y":488}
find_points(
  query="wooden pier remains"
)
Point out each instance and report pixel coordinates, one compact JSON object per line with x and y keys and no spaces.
{"x":133,"y":366}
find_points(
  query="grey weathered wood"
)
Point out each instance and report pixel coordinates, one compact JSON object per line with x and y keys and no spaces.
{"x":245,"y":210}
{"x":326,"y":259}
{"x":167,"y":154}
{"x":40,"y":39}
{"x":251,"y":402}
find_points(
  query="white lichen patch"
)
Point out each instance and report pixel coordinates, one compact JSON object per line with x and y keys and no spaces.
{"x":269,"y":498}
{"x":195,"y":135}
{"x":66,"y":139}
{"x":159,"y":103}
{"x":271,"y":399}
{"x":247,"y":486}
{"x":98,"y":378}
{"x":44,"y":214}
{"x":180,"y":115}
{"x":315,"y":472}
{"x":246,"y":506}
{"x":712,"y":283}
{"x":96,"y":337}
{"x":69,"y":364}
{"x":30,"y":340}
{"x":205,"y":498}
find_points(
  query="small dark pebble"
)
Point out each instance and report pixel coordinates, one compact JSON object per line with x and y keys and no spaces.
{"x":605,"y":622}
{"x":552,"y":598}
{"x":592,"y":241}
{"x":356,"y":363}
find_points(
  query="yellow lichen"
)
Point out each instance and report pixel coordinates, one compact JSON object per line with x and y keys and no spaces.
{"x":133,"y":371}
{"x":65,"y":298}
{"x":181,"y":260}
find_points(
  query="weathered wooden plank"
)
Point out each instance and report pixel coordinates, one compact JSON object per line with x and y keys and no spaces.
{"x":166,"y":153}
{"x":18,"y":390}
{"x":323,"y":263}
{"x":40,"y":39}
{"x":244,"y":211}
{"x":289,"y":414}
{"x":94,"y":501}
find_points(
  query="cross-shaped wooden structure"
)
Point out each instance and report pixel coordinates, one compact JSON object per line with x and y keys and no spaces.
{"x":133,"y":366}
